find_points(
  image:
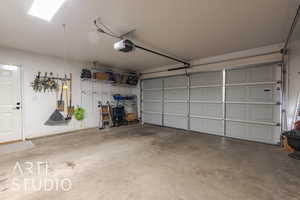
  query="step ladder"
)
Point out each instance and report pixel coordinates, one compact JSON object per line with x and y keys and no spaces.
{"x":105,"y":115}
{"x":297,"y":111}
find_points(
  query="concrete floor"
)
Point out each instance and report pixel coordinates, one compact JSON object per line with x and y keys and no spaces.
{"x":153,"y":163}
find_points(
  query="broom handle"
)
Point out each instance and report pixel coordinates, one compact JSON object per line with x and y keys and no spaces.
{"x":70,"y":90}
{"x":62,"y":90}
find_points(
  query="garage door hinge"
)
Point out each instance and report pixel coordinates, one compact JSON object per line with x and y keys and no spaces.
{"x":278,"y":103}
{"x":278,"y":124}
{"x":279,"y":82}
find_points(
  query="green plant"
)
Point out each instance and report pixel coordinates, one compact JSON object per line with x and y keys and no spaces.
{"x":44,"y":83}
{"x":79,"y":113}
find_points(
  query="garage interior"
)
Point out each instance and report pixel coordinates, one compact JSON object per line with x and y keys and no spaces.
{"x":167,"y":99}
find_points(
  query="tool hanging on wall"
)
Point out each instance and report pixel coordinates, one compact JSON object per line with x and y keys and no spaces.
{"x":71,"y":107}
{"x":61,"y":103}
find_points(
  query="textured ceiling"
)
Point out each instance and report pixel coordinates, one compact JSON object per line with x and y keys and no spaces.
{"x":189,"y":29}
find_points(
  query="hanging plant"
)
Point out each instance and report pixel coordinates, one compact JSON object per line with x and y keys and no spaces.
{"x":36,"y":84}
{"x":44,"y":83}
{"x":79,"y":113}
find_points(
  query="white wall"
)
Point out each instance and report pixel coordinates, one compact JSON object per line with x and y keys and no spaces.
{"x":37,"y":107}
{"x":294,"y":78}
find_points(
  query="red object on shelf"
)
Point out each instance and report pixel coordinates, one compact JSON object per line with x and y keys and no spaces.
{"x":297,"y":125}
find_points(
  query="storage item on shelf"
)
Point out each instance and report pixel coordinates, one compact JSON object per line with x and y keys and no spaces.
{"x":86,"y":74}
{"x":101,"y":76}
{"x":129,"y":103}
{"x":131,"y":117}
{"x":119,"y":115}
{"x":133,"y":79}
{"x":116,"y":78}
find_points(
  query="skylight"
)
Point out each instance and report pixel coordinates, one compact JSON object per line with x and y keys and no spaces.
{"x":45,"y":9}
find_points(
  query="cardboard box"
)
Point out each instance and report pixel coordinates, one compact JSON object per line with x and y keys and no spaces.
{"x":101,"y":76}
{"x":131,"y":117}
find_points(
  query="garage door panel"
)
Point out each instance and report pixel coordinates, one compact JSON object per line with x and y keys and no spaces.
{"x":210,"y":126}
{"x":152,"y":95}
{"x":255,"y":93}
{"x":262,"y":93}
{"x":176,"y":94}
{"x":259,"y":113}
{"x":176,"y":81}
{"x":262,"y":74}
{"x":236,"y":76}
{"x":253,"y":132}
{"x":207,"y":78}
{"x":206,"y":94}
{"x":175,"y":121}
{"x":177,"y":108}
{"x":207,"y":109}
{"x":251,"y":75}
{"x":153,"y":83}
{"x":152,"y":118}
{"x":152,"y":107}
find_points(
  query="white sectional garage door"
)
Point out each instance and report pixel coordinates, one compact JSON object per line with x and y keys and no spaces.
{"x":176,"y":102}
{"x":152,"y":101}
{"x":206,"y":102}
{"x":253,"y":97}
{"x":239,"y":103}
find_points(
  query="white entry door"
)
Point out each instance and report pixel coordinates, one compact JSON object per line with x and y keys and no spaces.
{"x":10,"y":104}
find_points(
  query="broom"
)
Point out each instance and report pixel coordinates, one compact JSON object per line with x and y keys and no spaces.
{"x":56,"y":117}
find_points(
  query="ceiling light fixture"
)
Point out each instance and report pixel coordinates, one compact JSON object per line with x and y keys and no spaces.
{"x":45,"y":9}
